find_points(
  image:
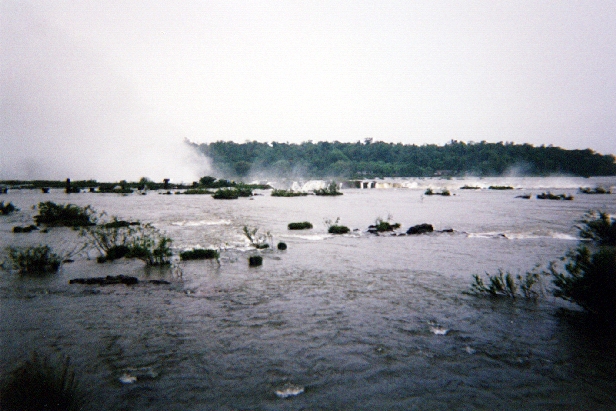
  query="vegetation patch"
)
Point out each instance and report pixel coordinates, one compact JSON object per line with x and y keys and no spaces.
{"x":287,"y":193}
{"x":226,"y":194}
{"x":430,"y":192}
{"x":596,"y":190}
{"x":500,"y":188}
{"x":34,"y":260}
{"x":467,"y":187}
{"x":338,"y":229}
{"x":67,"y":215}
{"x":196,"y":191}
{"x":330,"y":190}
{"x":257,"y":239}
{"x":200,"y":254}
{"x":550,"y":196}
{"x":282,"y":246}
{"x":304,"y":225}
{"x":529,"y":286}
{"x":119,"y":239}
{"x":6,"y":209}
{"x":39,"y":384}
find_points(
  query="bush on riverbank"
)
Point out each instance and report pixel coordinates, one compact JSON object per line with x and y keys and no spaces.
{"x":39,"y":384}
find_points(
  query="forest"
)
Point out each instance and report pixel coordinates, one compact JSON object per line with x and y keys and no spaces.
{"x":371,"y":159}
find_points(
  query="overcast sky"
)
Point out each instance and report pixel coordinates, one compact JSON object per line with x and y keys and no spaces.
{"x":109,"y":89}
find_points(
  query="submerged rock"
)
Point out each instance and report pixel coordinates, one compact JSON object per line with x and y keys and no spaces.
{"x":420,"y":229}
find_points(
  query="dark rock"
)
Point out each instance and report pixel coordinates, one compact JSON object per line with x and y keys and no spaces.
{"x":420,"y":229}
{"x":282,"y":246}
{"x":28,"y":229}
{"x":447,"y":230}
{"x":109,"y":280}
{"x":159,"y":282}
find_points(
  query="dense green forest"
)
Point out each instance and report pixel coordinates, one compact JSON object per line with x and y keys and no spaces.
{"x":371,"y":159}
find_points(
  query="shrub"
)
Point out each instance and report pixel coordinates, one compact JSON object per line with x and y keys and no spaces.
{"x":197,"y":191}
{"x":257,"y":239}
{"x":287,"y":193}
{"x":6,"y":209}
{"x":282,"y":246}
{"x":34,"y":260}
{"x":199,"y":254}
{"x":505,"y":284}
{"x":255,"y":260}
{"x":305,"y":225}
{"x":38,"y":384}
{"x":500,"y":188}
{"x":226,"y":194}
{"x":330,"y":190}
{"x":338,"y":229}
{"x":600,"y":228}
{"x":68,"y":215}
{"x":243,"y":191}
{"x":382,"y":226}
{"x":118,"y":239}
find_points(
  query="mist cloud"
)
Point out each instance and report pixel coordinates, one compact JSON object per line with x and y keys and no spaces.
{"x":67,"y":113}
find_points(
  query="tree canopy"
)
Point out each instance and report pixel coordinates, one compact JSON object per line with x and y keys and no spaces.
{"x":371,"y":159}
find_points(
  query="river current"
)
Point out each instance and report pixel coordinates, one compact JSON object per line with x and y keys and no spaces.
{"x":350,"y":322}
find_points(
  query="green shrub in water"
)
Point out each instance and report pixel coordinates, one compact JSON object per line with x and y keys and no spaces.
{"x":338,"y":229}
{"x":282,"y":246}
{"x":330,"y":190}
{"x":305,"y":225}
{"x":67,"y":215}
{"x":6,"y":209}
{"x":226,"y":194}
{"x":39,"y":384}
{"x":34,"y":260}
{"x":199,"y":254}
{"x":287,"y":193}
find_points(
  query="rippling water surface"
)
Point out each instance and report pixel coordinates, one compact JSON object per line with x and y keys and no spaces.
{"x":353,"y":322}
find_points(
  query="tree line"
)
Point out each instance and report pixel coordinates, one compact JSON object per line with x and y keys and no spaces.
{"x":370,"y":159}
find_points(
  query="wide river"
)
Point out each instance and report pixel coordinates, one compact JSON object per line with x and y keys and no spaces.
{"x":351,"y":322}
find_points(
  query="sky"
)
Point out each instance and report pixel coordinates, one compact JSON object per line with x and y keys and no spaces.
{"x":110,"y":89}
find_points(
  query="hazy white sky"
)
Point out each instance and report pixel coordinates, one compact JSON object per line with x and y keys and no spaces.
{"x":100,"y":88}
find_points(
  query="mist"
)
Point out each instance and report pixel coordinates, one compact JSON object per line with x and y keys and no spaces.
{"x":67,"y":114}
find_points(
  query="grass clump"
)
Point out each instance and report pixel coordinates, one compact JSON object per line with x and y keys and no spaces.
{"x":257,"y":240}
{"x":255,"y":260}
{"x":67,"y":215}
{"x":304,"y":225}
{"x":287,"y":193}
{"x":6,"y":209}
{"x":39,"y":384}
{"x":384,"y":225}
{"x":335,"y":228}
{"x":330,"y":190}
{"x":199,"y":254}
{"x":34,"y":260}
{"x":529,"y":286}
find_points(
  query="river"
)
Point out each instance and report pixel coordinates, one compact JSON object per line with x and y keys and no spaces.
{"x":351,"y":322}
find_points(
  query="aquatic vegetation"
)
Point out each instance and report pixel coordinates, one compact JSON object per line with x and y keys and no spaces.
{"x":334,"y":228}
{"x":500,"y":188}
{"x":118,"y":239}
{"x":287,"y":193}
{"x":444,"y":193}
{"x":282,"y":246}
{"x":6,"y":209}
{"x":255,"y":260}
{"x":67,"y":215}
{"x":304,"y":225}
{"x":39,"y":384}
{"x":467,"y":187}
{"x":529,"y":286}
{"x":226,"y":194}
{"x":550,"y":196}
{"x":330,"y":190}
{"x":589,"y":279}
{"x":34,"y":260}
{"x":599,"y":227}
{"x":381,"y":225}
{"x":196,"y":191}
{"x":596,"y":190}
{"x":257,"y":240}
{"x":199,"y":254}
